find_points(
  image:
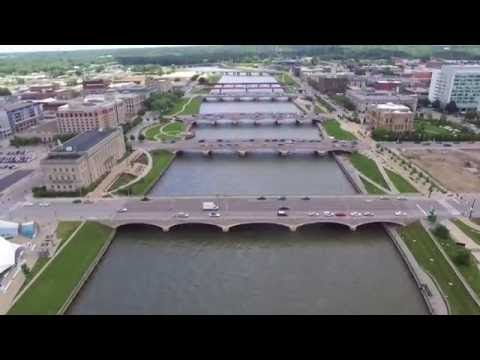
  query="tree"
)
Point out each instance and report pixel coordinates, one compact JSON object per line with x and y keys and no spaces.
{"x":432,"y":217}
{"x":72,"y":82}
{"x":436,"y":104}
{"x":20,"y":81}
{"x":5,"y":92}
{"x":451,"y":107}
{"x":424,"y":102}
{"x":441,"y":231}
{"x":25,"y":270}
{"x":462,"y":257}
{"x":132,"y":137}
{"x":471,"y":115}
{"x":202,"y":81}
{"x":141,"y":137}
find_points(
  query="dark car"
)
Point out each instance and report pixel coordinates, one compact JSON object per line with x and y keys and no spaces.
{"x":261,"y":198}
{"x":305,"y":198}
{"x":201,"y":141}
{"x":447,"y":145}
{"x":284,"y":208}
{"x":77,"y":201}
{"x":282,"y":198}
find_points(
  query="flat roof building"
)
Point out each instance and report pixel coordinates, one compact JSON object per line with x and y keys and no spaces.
{"x":82,"y":160}
{"x":80,"y":116}
{"x":20,"y":116}
{"x":389,"y":116}
{"x":362,"y":98}
{"x":458,"y":83}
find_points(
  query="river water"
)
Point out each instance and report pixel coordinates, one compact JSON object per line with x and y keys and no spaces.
{"x":261,"y":269}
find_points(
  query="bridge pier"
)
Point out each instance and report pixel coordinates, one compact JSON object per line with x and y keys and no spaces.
{"x":283,"y":153}
{"x":242,"y":153}
{"x":225,"y":229}
{"x":166,"y":229}
{"x":292,"y":228}
{"x":207,"y":153}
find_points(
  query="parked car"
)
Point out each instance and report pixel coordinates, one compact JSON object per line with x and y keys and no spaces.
{"x":43,"y":204}
{"x":77,"y":201}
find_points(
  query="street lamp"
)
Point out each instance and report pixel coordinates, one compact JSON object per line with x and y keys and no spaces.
{"x":471,"y":208}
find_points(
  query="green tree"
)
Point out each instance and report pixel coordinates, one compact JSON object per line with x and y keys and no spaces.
{"x":451,"y":107}
{"x":132,"y":137}
{"x":5,"y":92}
{"x":141,"y":137}
{"x":72,"y":82}
{"x":25,"y":270}
{"x":462,"y":257}
{"x":436,"y":104}
{"x":432,"y":217}
{"x":441,"y":231}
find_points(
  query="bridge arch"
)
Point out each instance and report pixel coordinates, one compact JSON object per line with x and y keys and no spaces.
{"x":273,"y":223}
{"x":378,"y":221}
{"x":326,"y":221}
{"x":142,"y":223}
{"x":195,"y":223}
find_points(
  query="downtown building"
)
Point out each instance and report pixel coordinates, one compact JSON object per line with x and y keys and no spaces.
{"x":458,"y":83}
{"x":82,"y":160}
{"x":85,"y":115}
{"x":18,"y":116}
{"x":389,"y":116}
{"x":363,"y":98}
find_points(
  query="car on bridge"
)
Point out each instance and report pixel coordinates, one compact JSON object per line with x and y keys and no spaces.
{"x":261,"y":198}
{"x":214,"y":214}
{"x":122,"y":210}
{"x":282,"y":213}
{"x":181,"y":215}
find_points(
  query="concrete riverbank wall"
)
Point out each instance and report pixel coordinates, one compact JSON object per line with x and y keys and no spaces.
{"x":87,"y":273}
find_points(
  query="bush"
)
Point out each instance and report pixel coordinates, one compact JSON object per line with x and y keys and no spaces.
{"x":25,"y":270}
{"x":441,"y":231}
{"x":17,"y":141}
{"x":462,"y":257}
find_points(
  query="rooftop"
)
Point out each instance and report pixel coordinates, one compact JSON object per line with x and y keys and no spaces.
{"x":75,"y":147}
{"x":391,"y":107}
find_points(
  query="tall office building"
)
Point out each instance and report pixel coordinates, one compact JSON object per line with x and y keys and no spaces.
{"x":458,"y":83}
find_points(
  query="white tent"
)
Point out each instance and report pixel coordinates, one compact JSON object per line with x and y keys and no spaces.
{"x":7,"y":254}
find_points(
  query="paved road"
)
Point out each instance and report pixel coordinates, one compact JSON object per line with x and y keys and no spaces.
{"x":11,"y":179}
{"x":286,"y":145}
{"x":234,"y":209}
{"x":433,"y":146}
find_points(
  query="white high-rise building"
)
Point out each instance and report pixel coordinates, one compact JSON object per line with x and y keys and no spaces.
{"x":459,"y":83}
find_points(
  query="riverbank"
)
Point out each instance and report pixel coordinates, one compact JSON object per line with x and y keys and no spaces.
{"x":65,"y":272}
{"x":161,"y":161}
{"x":333,"y":129}
{"x":436,"y":265}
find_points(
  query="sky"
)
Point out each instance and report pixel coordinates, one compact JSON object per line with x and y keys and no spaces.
{"x":30,"y":48}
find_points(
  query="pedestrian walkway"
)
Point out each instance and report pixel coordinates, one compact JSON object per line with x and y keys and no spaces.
{"x":126,"y":166}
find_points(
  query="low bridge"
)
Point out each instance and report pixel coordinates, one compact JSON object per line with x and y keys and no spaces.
{"x":257,"y":119}
{"x":350,"y":211}
{"x":252,"y":116}
{"x":283,"y":147}
{"x":251,"y":96}
{"x":252,"y":85}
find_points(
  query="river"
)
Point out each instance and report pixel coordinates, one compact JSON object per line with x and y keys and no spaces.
{"x":261,"y":269}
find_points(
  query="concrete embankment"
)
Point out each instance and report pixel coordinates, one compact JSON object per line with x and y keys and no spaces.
{"x":87,"y":273}
{"x":434,"y":299}
{"x":350,"y":174}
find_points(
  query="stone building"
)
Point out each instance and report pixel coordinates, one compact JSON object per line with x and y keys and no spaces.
{"x":393,"y":117}
{"x":82,"y":160}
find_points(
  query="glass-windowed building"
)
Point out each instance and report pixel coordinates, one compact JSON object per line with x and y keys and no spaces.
{"x":458,"y":83}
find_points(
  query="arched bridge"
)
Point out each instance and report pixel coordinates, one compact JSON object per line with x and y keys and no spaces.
{"x":244,"y":146}
{"x":350,"y":211}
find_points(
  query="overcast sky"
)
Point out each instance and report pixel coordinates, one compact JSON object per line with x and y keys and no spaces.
{"x":28,"y":48}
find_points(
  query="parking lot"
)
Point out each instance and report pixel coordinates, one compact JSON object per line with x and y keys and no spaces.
{"x":10,"y":159}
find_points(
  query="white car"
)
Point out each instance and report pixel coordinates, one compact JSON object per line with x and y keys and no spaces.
{"x":28,"y":204}
{"x":398,"y":213}
{"x":181,"y":215}
{"x":123,"y":210}
{"x":368,"y":213}
{"x":214,"y":214}
{"x":43,"y":204}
